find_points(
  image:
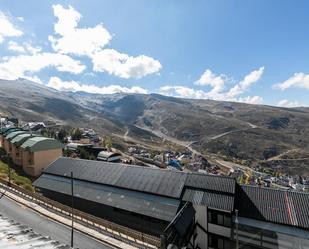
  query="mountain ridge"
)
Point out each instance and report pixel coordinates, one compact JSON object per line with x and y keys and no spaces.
{"x":233,"y":130}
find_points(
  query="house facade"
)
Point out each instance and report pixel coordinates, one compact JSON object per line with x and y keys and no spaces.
{"x":31,"y":152}
{"x":185,"y":209}
{"x":37,"y":153}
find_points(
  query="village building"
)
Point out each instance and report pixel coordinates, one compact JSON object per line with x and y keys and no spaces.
{"x":185,"y":209}
{"x":7,"y":140}
{"x":4,"y":132}
{"x":16,"y":143}
{"x":37,"y":153}
{"x":109,"y":156}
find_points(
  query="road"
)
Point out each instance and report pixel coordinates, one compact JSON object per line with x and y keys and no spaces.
{"x":45,"y":226}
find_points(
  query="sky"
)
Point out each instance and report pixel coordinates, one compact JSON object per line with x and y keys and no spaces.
{"x":253,"y":51}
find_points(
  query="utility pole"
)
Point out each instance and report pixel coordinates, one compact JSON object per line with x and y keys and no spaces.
{"x":72,"y":209}
{"x":236,"y":223}
{"x":9,"y":174}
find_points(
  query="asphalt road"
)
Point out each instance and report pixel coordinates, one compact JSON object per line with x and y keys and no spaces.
{"x":45,"y":226}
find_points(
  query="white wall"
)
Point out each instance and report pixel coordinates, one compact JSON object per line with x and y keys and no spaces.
{"x":201,"y":218}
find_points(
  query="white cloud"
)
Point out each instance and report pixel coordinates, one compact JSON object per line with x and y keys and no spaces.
{"x":18,"y":66}
{"x":123,"y":65}
{"x":91,"y":41}
{"x":73,"y":40}
{"x":255,"y":100}
{"x":7,"y":29}
{"x":32,"y":50}
{"x":183,"y":92}
{"x":216,"y":82}
{"x":57,"y":83}
{"x":218,"y":91}
{"x":14,"y":46}
{"x":289,"y":104}
{"x":186,"y":92}
{"x":26,"y":47}
{"x":33,"y":78}
{"x":298,"y":80}
{"x":20,"y":18}
{"x":246,"y":83}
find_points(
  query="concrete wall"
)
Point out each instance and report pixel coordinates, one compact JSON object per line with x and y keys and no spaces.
{"x":201,"y":219}
{"x":268,"y":235}
{"x":16,"y":155}
{"x":34,"y":163}
{"x":219,"y":230}
{"x":132,"y":220}
{"x":1,"y":140}
{"x":6,"y":145}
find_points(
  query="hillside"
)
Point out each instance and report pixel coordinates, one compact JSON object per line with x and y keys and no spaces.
{"x":234,"y":130}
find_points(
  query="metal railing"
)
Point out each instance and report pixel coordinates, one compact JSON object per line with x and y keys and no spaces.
{"x":114,"y":230}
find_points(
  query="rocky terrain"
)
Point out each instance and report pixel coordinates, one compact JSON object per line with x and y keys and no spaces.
{"x":252,"y":133}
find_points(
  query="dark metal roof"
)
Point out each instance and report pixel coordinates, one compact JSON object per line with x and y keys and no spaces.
{"x":209,"y":199}
{"x":278,"y":206}
{"x":215,"y":183}
{"x":147,"y":204}
{"x":144,"y":179}
{"x":156,"y":181}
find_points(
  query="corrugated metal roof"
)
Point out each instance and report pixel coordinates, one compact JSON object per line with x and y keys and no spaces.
{"x":40,"y":144}
{"x":9,"y":130}
{"x":164,"y":182}
{"x":107,"y":154}
{"x":161,"y":182}
{"x":209,"y":199}
{"x":215,"y":183}
{"x":278,"y":206}
{"x":13,"y":134}
{"x":150,"y":205}
{"x":20,"y":139}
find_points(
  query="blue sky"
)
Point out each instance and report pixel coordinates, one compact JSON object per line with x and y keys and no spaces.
{"x":248,"y":51}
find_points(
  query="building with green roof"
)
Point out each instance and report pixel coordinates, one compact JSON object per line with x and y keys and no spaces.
{"x":13,"y":134}
{"x":31,"y":152}
{"x":41,"y":143}
{"x":16,"y":142}
{"x":4,"y":131}
{"x":20,"y":139}
{"x":11,"y":130}
{"x":6,"y":142}
{"x":37,"y":153}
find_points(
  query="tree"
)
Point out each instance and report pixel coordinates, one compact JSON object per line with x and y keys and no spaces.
{"x":76,"y":134}
{"x":61,"y":135}
{"x":83,"y":154}
{"x":107,"y":142}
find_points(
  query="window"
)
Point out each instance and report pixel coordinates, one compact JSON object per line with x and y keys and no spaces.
{"x":215,"y":241}
{"x":219,"y":218}
{"x":31,"y":158}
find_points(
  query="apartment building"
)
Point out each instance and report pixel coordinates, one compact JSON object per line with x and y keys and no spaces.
{"x":31,"y":152}
{"x":37,"y":153}
{"x":185,"y":209}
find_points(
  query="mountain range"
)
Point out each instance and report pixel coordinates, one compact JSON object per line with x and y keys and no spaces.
{"x":252,"y":134}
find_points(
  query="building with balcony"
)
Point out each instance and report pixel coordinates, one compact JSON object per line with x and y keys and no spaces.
{"x":185,"y":209}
